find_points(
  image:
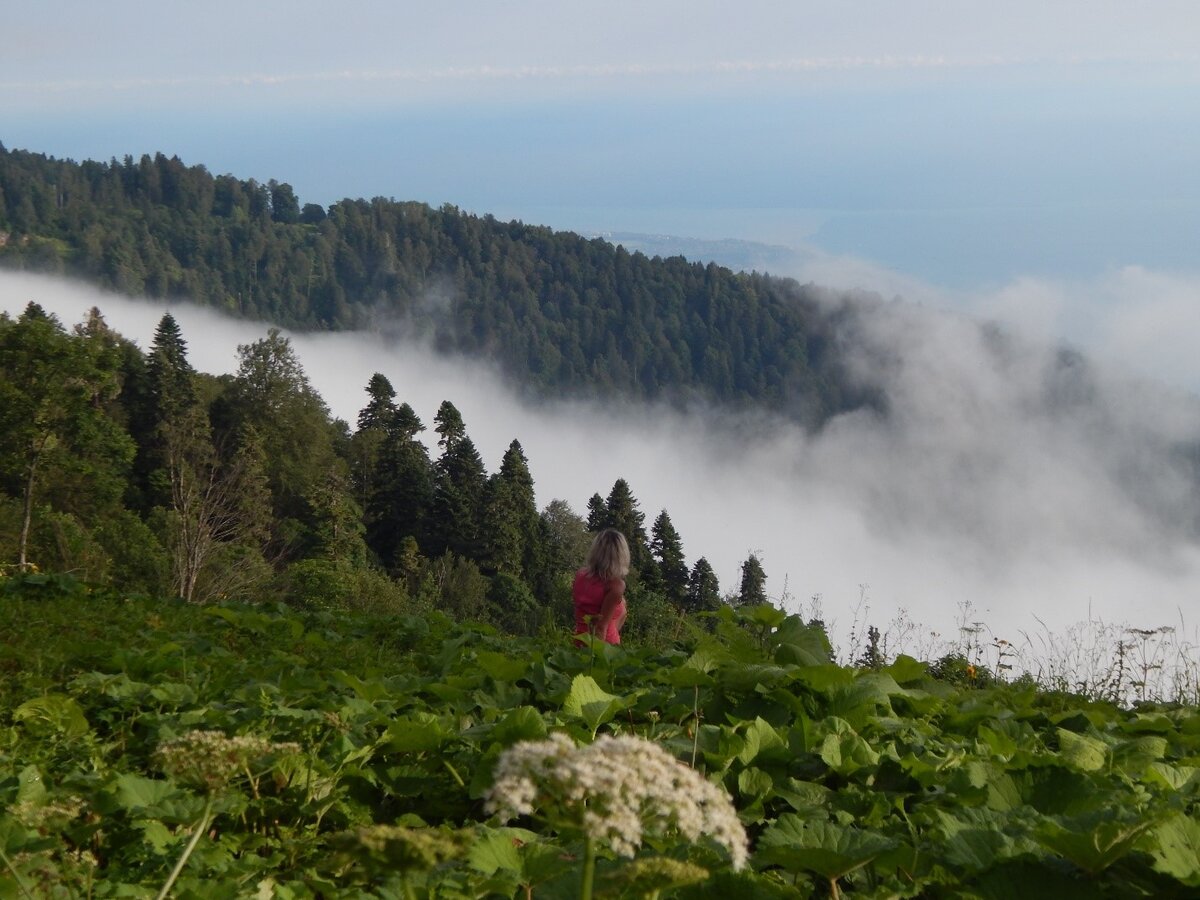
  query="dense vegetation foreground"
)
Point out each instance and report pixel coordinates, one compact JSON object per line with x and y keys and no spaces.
{"x":264,"y":752}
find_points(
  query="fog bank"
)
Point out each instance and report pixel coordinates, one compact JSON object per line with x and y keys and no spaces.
{"x":1029,"y":484}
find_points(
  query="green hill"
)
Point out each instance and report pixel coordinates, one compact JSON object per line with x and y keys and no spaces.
{"x":257,"y":751}
{"x":559,"y":313}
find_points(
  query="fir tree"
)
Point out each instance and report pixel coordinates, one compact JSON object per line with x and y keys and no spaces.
{"x":511,"y":521}
{"x":753,"y":590}
{"x":459,"y":489}
{"x":667,"y":550}
{"x":703,"y":591}
{"x":401,"y":494}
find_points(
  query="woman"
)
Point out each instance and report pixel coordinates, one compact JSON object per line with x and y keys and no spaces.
{"x":599,"y":588}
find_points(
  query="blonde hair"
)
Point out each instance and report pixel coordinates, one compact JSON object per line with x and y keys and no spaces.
{"x":608,"y":557}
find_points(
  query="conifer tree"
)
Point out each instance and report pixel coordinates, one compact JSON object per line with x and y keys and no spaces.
{"x":667,"y":550}
{"x":622,"y":513}
{"x":597,"y":517}
{"x":398,"y":505}
{"x":511,"y":523}
{"x":168,"y":396}
{"x":459,"y":489}
{"x":381,"y":408}
{"x":366,"y":444}
{"x":753,"y":590}
{"x":704,"y":591}
{"x":172,"y":380}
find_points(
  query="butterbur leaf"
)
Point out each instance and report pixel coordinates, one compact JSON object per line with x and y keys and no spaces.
{"x":1082,"y":752}
{"x":522,"y":724}
{"x":754,"y":783}
{"x":395,"y":848}
{"x":415,"y":734}
{"x":1176,"y":849}
{"x":53,"y":712}
{"x":501,"y":666}
{"x":31,"y":788}
{"x":135,"y":793}
{"x":499,"y":848}
{"x":760,"y":736}
{"x":763,"y":615}
{"x":591,"y":703}
{"x":906,"y":670}
{"x":1092,"y":842}
{"x":828,"y":849}
{"x":975,"y":839}
{"x":801,"y":644}
{"x":843,"y":750}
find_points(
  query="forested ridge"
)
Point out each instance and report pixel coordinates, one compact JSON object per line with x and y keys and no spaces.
{"x":132,"y":470}
{"x":560,"y":313}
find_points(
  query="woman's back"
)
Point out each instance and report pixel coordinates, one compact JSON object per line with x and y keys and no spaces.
{"x":588,"y":592}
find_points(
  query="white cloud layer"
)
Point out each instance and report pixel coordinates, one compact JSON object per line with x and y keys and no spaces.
{"x":989,"y":482}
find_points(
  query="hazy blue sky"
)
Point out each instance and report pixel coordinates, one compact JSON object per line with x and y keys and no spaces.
{"x":965,"y":144}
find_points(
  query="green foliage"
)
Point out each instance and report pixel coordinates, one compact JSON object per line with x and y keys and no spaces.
{"x":563,"y":314}
{"x":352,"y":750}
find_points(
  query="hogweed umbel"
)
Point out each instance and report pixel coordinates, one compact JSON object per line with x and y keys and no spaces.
{"x":616,"y":791}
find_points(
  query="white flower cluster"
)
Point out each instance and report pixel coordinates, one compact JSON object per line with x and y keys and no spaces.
{"x":55,"y":814}
{"x":616,"y":790}
{"x":210,"y":759}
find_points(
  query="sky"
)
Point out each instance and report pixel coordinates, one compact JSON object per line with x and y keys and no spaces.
{"x":1031,"y":163}
{"x":963,"y":143}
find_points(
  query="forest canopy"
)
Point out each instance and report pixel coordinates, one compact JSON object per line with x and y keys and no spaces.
{"x":561,"y":314}
{"x":130,"y":469}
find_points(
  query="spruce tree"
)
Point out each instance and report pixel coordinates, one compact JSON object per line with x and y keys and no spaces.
{"x":459,"y":489}
{"x":753,"y":590}
{"x":597,"y":517}
{"x":381,"y":408}
{"x":622,"y":513}
{"x":703,"y":591}
{"x":401,"y":495}
{"x":667,"y":550}
{"x":511,"y":535}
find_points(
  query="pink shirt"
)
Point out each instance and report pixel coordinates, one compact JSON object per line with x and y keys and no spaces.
{"x":588,"y":592}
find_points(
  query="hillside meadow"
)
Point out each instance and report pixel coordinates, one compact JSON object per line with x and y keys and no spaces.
{"x":152,"y":748}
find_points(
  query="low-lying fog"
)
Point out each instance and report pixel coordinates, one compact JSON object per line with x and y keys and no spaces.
{"x":972,"y":491}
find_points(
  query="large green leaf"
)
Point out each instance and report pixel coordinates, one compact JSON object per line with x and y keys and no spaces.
{"x":800,"y":644}
{"x":521,"y":724}
{"x":906,"y":670}
{"x":417,"y":733}
{"x":55,"y":712}
{"x":760,"y":736}
{"x":844,"y":750}
{"x":831,"y":851}
{"x":31,"y":788}
{"x":1094,"y":841}
{"x":1175,"y":849}
{"x":591,"y":703}
{"x":1079,"y":751}
{"x":973,"y":839}
{"x":501,"y":666}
